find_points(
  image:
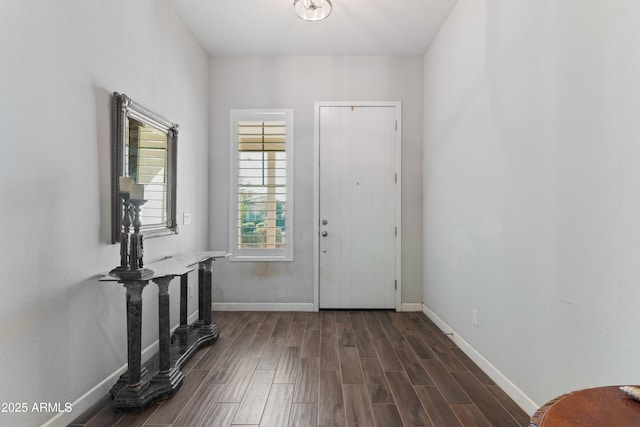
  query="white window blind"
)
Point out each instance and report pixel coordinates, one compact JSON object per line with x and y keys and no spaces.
{"x":262,"y":206}
{"x":146,"y":162}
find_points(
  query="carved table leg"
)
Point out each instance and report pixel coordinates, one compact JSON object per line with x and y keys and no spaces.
{"x":205,"y":275}
{"x":164,"y":324}
{"x":167,"y":379}
{"x":130,"y":387}
{"x":184,"y":328}
{"x":184,"y":298}
{"x":198,"y":323}
{"x":134,"y":330}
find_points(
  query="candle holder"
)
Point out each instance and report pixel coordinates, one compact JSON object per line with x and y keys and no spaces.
{"x":124,"y":236}
{"x":136,"y":268}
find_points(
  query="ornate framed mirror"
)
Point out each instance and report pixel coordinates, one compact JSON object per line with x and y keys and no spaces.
{"x":144,"y":148}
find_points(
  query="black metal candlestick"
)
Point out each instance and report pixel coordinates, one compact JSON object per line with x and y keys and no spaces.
{"x":136,"y":251}
{"x":124,"y":236}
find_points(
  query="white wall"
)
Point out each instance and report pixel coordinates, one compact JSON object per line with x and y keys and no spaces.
{"x":63,"y":333}
{"x":298,"y":82}
{"x":532,"y":189}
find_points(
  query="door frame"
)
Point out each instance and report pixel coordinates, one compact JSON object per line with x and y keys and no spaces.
{"x":316,"y":192}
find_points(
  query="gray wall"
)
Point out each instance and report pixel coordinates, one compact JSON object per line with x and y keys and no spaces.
{"x":298,"y":82}
{"x":62,"y":332}
{"x":532,"y":195}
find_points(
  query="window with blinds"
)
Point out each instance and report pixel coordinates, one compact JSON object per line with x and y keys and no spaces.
{"x":262,"y":185}
{"x":146,"y":163}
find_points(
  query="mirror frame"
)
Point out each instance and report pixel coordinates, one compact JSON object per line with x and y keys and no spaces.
{"x":123,"y":108}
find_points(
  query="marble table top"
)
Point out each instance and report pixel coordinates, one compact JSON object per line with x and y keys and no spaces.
{"x":173,"y":265}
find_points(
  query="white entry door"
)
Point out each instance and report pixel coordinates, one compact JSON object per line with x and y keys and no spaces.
{"x":358,"y":205}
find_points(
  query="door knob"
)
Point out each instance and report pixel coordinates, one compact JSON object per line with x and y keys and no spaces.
{"x":324,"y":234}
{"x":325,"y":222}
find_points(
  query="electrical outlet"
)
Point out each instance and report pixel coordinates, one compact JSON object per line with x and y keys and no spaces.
{"x":190,"y":290}
{"x":474,"y":313}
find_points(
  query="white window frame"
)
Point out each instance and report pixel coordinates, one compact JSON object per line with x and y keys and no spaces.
{"x":261,"y":254}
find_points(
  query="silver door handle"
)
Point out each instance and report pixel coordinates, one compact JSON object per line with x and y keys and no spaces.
{"x":324,"y":234}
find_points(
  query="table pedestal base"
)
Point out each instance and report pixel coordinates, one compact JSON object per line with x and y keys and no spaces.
{"x":156,"y":386}
{"x":185,"y":344}
{"x":151,"y":389}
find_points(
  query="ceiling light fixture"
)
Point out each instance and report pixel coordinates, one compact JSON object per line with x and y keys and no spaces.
{"x":312,"y":10}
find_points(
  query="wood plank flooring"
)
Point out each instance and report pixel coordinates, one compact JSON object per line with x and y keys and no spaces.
{"x":328,"y":368}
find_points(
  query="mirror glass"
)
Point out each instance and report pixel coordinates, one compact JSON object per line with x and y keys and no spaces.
{"x":144,"y":149}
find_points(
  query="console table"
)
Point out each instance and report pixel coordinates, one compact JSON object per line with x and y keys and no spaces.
{"x":593,"y":407}
{"x":137,"y":389}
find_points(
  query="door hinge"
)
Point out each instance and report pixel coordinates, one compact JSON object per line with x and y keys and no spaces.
{"x":396,"y":125}
{"x":396,"y":178}
{"x":396,"y":285}
{"x":396,"y":231}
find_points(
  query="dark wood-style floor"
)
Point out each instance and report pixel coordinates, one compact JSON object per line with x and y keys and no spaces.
{"x":328,"y":368}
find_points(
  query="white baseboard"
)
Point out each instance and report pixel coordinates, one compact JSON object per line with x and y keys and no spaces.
{"x":262,"y":306}
{"x":300,"y":306}
{"x":91,"y":397}
{"x":515,"y":393}
{"x":411,"y":306}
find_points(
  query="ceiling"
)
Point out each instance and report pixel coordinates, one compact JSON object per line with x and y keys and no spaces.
{"x":355,"y":27}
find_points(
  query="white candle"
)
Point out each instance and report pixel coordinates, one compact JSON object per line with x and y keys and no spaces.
{"x":137,"y":192}
{"x":124,"y":184}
